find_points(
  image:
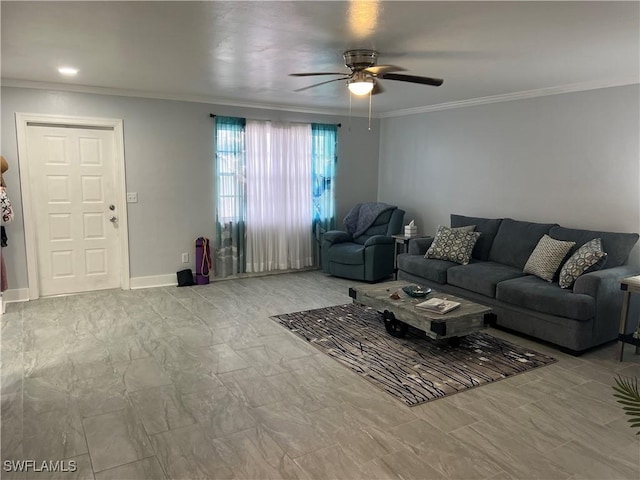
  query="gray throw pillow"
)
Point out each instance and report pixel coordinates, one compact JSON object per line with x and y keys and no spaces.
{"x":453,"y":244}
{"x":547,"y":257}
{"x":584,"y":259}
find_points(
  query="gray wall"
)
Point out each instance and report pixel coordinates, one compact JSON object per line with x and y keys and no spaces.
{"x":573,"y":159}
{"x":168,"y":155}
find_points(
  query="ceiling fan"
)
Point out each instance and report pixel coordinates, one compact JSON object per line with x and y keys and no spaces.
{"x":365,"y":74}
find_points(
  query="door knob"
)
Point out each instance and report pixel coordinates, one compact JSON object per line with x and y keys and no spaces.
{"x":113,"y":219}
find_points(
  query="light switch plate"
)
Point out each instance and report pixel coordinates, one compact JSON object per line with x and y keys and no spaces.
{"x":132,"y":197}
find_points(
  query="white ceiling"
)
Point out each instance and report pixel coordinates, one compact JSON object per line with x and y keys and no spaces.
{"x":241,"y":52}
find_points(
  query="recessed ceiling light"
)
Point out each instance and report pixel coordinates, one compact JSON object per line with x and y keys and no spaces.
{"x":68,"y":71}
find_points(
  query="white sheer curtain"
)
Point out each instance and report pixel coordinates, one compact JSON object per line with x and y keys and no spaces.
{"x":279,"y":213}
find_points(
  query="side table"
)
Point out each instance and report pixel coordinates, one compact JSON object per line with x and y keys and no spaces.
{"x":404,"y":241}
{"x":628,"y":285}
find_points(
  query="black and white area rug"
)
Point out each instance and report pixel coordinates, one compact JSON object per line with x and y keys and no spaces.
{"x":413,"y":369}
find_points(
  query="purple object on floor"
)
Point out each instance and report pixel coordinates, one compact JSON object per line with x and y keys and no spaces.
{"x":203,"y":261}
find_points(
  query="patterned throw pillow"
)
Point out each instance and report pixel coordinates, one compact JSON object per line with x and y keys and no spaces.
{"x":547,"y":257}
{"x":586,"y":257}
{"x":453,"y":244}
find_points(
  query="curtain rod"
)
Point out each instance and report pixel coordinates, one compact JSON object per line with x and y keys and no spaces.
{"x":213,"y":115}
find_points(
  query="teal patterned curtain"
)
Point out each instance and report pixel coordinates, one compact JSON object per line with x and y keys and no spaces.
{"x":230,"y":241}
{"x":324,"y":139}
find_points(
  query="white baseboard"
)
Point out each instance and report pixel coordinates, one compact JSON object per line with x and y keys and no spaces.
{"x":168,"y":280}
{"x":22,"y":294}
{"x":15,"y":295}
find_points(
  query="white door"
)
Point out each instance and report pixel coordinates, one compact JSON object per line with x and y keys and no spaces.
{"x":75,"y":206}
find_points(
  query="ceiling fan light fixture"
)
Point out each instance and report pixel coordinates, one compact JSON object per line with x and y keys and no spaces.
{"x":360,"y":86}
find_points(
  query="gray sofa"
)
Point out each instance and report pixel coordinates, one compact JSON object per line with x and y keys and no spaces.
{"x":576,"y":319}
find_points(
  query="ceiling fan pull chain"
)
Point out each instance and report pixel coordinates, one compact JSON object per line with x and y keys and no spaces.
{"x":350,"y":122}
{"x":370,"y":111}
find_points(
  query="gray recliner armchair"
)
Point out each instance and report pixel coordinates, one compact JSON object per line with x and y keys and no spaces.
{"x":365,"y":250}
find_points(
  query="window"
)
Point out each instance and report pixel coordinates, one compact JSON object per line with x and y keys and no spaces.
{"x":230,"y":168}
{"x":323,"y":157}
{"x":275,"y":187}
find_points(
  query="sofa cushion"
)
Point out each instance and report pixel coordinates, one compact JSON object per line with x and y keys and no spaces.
{"x":453,"y":244}
{"x":547,"y":257}
{"x":362,"y":239}
{"x":481,"y":277}
{"x":431,"y":269}
{"x":536,"y":294}
{"x":516,"y":240}
{"x":588,"y":257}
{"x":347,"y":253}
{"x":419,"y":246}
{"x":616,"y":245}
{"x":488,"y":227}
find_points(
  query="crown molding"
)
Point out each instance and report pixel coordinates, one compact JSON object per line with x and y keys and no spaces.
{"x":65,"y":87}
{"x":571,"y":88}
{"x":507,"y":97}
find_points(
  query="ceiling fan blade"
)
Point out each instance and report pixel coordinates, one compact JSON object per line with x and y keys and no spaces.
{"x":310,"y":74}
{"x":321,"y":83}
{"x":436,"y":82}
{"x":378,"y":69}
{"x":377,"y":88}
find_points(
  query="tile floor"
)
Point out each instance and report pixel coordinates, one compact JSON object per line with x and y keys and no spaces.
{"x":198,"y":382}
